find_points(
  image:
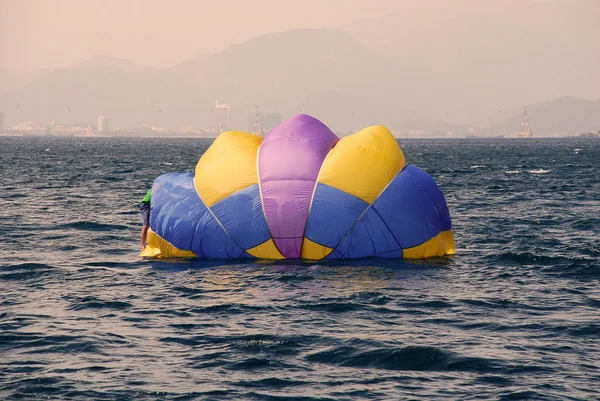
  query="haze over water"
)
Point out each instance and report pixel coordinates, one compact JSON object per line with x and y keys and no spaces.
{"x":514,"y":315}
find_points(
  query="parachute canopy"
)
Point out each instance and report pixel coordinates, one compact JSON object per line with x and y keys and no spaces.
{"x":300,"y":192}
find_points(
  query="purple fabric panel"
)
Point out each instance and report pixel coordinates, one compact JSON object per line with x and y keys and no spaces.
{"x":289,"y":247}
{"x":289,"y":160}
{"x":286,"y":206}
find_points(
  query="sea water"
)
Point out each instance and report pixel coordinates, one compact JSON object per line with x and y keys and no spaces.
{"x":515,"y":314}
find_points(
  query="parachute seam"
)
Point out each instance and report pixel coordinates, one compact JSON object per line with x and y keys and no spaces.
{"x":359,"y":217}
{"x":212,"y":156}
{"x":368,"y":207}
{"x":374,"y":248}
{"x":160,"y":207}
{"x":388,"y":157}
{"x":216,"y":219}
{"x":262,"y":203}
{"x":312,"y":198}
{"x":388,"y":227}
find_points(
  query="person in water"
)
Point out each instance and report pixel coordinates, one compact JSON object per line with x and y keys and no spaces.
{"x":145,"y":211}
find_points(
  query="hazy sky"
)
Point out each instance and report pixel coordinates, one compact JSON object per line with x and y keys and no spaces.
{"x":451,"y":60}
{"x":53,"y":33}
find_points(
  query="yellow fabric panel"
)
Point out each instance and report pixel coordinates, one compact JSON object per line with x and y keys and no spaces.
{"x":440,"y":245}
{"x":363,"y":164}
{"x":159,"y":248}
{"x":227,"y":166}
{"x":266,"y":250}
{"x":313,"y":251}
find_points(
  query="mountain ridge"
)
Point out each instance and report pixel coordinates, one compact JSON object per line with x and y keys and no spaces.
{"x":104,"y":61}
{"x":325,"y":72}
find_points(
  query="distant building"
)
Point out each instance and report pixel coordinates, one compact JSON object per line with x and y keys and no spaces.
{"x":103,"y":124}
{"x":1,"y":122}
{"x":524,"y":129}
{"x":221,"y":121}
{"x":268,"y":121}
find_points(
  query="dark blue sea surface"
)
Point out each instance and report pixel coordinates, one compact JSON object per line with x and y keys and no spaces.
{"x":514,"y":315}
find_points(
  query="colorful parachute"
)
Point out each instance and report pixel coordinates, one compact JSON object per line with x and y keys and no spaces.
{"x":300,"y":192}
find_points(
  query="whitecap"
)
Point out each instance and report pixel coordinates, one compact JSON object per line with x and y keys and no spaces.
{"x":513,"y":172}
{"x":539,"y":171}
{"x":476,"y":166}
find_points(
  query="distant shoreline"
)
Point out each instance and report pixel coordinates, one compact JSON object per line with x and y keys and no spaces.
{"x":184,"y":136}
{"x":132,"y":135}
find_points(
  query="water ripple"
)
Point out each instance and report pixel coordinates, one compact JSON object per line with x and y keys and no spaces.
{"x":512,"y":316}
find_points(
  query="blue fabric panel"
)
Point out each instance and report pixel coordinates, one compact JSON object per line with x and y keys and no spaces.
{"x":242,"y":216}
{"x":334,"y":255}
{"x":332,"y":214}
{"x":408,"y":210}
{"x":211,"y":241}
{"x":357,"y":243}
{"x":176,"y":208}
{"x":368,"y":237}
{"x":428,"y":183}
{"x":397,"y":254}
{"x":380,"y":235}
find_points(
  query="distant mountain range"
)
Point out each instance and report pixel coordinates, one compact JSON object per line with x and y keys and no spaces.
{"x":281,"y":71}
{"x":110,"y":63}
{"x":447,"y":73}
{"x":473,"y":56}
{"x":11,"y":80}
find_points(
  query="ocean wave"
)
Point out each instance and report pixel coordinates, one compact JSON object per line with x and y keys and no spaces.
{"x":512,"y":315}
{"x":26,"y":271}
{"x":92,"y":226}
{"x":416,"y":358}
{"x":91,"y":302}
